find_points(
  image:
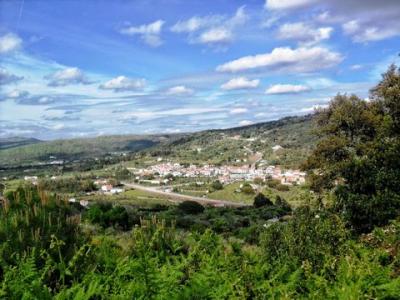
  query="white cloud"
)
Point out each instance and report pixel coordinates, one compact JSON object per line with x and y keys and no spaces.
{"x":122,"y":83}
{"x":240,"y":83}
{"x":6,"y":77}
{"x":179,"y":90}
{"x":286,"y":89}
{"x":361,"y":33}
{"x":238,"y":111}
{"x":303,"y":33}
{"x":58,"y":126}
{"x":356,"y":67}
{"x":245,"y":123}
{"x":149,"y":33}
{"x":285,"y":59}
{"x":67,"y":76}
{"x":196,"y":23}
{"x":9,"y":43}
{"x":211,"y":30}
{"x":287,"y":4}
{"x":215,"y":35}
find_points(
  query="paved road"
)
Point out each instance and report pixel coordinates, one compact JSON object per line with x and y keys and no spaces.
{"x":180,"y":198}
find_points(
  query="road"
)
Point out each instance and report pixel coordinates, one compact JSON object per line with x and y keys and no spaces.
{"x":180,"y":198}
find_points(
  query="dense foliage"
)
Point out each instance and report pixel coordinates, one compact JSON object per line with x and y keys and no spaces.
{"x":359,"y":154}
{"x":310,"y":255}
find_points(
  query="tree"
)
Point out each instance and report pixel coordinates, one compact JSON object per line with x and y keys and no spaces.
{"x":280,"y":202}
{"x":191,"y":207}
{"x":122,"y":174}
{"x":359,"y":152}
{"x":217,"y":185}
{"x":261,"y":200}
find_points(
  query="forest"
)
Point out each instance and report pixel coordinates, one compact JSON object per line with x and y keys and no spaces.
{"x":342,"y":244}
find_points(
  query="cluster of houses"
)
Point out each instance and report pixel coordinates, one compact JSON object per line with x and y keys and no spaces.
{"x":106,"y":188}
{"x":226,"y":174}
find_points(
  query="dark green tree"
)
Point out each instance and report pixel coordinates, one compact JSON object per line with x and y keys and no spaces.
{"x":261,"y":200}
{"x":359,"y":153}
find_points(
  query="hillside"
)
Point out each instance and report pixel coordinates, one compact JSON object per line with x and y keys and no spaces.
{"x":77,"y":149}
{"x":292,"y":134}
{"x":15,"y":141}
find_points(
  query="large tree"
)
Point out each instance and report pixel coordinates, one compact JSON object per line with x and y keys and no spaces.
{"x":359,"y":154}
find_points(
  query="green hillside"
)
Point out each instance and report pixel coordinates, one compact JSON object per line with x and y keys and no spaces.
{"x":15,"y":141}
{"x":293,"y":134}
{"x":77,"y":149}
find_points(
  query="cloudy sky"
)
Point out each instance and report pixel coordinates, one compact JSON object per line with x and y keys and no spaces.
{"x":88,"y":68}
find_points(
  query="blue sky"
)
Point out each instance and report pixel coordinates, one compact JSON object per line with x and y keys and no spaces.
{"x":87,"y":68}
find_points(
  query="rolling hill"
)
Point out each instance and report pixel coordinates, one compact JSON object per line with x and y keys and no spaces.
{"x":293,"y":134}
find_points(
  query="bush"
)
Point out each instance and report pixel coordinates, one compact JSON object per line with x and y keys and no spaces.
{"x":191,"y":207}
{"x":261,"y":200}
{"x":217,"y":185}
{"x":272,"y":183}
{"x":258,"y":180}
{"x":247,"y":189}
{"x":282,"y":188}
{"x":282,"y":203}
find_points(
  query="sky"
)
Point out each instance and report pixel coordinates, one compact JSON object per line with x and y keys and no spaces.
{"x":72,"y":69}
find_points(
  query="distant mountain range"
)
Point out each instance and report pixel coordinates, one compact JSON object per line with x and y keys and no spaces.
{"x":293,"y":134}
{"x":16,"y":141}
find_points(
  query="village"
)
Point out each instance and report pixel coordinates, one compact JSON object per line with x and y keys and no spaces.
{"x":225,"y":174}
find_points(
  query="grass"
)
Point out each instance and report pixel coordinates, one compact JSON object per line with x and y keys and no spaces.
{"x":295,"y":196}
{"x":131,"y":197}
{"x":229,"y":194}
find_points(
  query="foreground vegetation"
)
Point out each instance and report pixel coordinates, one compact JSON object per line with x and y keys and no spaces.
{"x":344,"y":243}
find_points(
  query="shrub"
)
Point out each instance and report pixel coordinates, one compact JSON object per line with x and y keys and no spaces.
{"x":282,"y":203}
{"x":261,"y":200}
{"x":191,"y":207}
{"x":272,"y":183}
{"x":282,"y":188}
{"x":217,"y":185}
{"x":247,"y":189}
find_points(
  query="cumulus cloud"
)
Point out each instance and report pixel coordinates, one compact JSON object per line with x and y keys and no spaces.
{"x":6,"y":77}
{"x":212,"y":29}
{"x":361,"y":33}
{"x":179,"y":90}
{"x":215,"y":35}
{"x":240,"y":83}
{"x":287,"y":4}
{"x":196,"y":23}
{"x":25,"y":98}
{"x":67,"y":76}
{"x":238,"y":111}
{"x":245,"y":123}
{"x":9,"y":42}
{"x":285,"y":59}
{"x":122,"y":84}
{"x":363,"y":20}
{"x":303,"y":33}
{"x":149,"y":33}
{"x":286,"y":89}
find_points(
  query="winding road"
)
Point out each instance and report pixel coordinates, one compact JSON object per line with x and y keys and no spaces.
{"x":175,"y":197}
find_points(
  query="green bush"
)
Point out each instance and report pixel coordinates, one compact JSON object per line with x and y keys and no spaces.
{"x":191,"y":207}
{"x":282,"y":187}
{"x":261,"y":200}
{"x":217,"y":185}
